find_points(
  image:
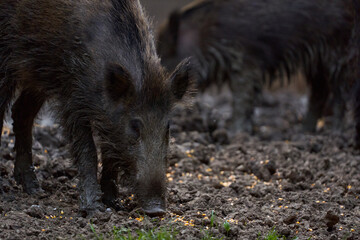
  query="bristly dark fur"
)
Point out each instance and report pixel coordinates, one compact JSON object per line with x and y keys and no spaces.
{"x":356,"y":4}
{"x":97,"y":60}
{"x":5,"y":51}
{"x":260,"y":39}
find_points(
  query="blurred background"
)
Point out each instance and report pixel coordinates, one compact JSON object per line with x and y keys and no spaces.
{"x":218,"y":101}
{"x":158,"y":10}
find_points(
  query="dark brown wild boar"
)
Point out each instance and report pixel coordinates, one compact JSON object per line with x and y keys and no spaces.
{"x":246,"y":41}
{"x":96,"y":60}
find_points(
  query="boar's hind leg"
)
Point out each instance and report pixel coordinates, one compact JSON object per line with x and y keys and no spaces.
{"x":109,"y":178}
{"x":4,"y":101}
{"x":24,"y":111}
{"x":318,"y":96}
{"x":84,"y":152}
{"x":338,"y":108}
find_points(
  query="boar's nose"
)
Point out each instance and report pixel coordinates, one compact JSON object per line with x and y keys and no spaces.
{"x":155,"y":212}
{"x":154,"y":208}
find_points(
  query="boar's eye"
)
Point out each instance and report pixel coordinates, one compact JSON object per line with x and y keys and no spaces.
{"x":136,"y":126}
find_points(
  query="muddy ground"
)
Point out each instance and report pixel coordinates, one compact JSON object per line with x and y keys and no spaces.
{"x":304,"y":185}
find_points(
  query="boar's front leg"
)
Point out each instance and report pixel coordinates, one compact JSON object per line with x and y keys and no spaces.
{"x":339,"y":107}
{"x":84,"y":151}
{"x":244,"y":88}
{"x":24,"y":111}
{"x":109,"y":179}
{"x":82,"y":146}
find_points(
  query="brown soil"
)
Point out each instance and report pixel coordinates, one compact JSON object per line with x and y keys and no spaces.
{"x":304,"y":185}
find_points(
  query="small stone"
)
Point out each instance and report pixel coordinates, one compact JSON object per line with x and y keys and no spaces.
{"x":81,"y":222}
{"x":333,"y":237}
{"x":315,"y":148}
{"x":8,"y":155}
{"x":101,"y":217}
{"x":285,"y":232}
{"x":217,"y":185}
{"x":293,"y":176}
{"x":269,"y":222}
{"x":37,"y":146}
{"x":290,"y":219}
{"x":35,"y":211}
{"x":286,"y":186}
{"x":271,"y":166}
{"x":63,"y":179}
{"x":241,"y":168}
{"x":221,"y":136}
{"x":32,"y":232}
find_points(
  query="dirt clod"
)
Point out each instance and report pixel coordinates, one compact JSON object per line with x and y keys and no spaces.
{"x":331,"y":219}
{"x":290,"y":219}
{"x":35,"y":211}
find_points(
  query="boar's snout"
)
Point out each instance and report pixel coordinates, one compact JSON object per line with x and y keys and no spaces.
{"x":154,"y":207}
{"x":151,"y":192}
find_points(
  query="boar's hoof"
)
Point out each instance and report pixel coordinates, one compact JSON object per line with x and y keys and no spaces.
{"x":93,"y":210}
{"x":154,"y":209}
{"x":27,"y":179}
{"x":90,"y":202}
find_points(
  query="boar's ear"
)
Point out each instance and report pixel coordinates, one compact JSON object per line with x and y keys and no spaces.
{"x":118,"y":83}
{"x":182,"y":79}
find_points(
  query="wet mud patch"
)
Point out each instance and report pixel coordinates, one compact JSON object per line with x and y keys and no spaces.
{"x":304,"y":185}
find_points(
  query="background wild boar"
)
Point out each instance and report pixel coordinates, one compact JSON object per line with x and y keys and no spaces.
{"x":244,"y":42}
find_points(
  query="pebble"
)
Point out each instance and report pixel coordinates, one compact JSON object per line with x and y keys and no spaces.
{"x":35,"y":211}
{"x":290,"y":219}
